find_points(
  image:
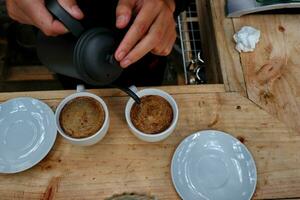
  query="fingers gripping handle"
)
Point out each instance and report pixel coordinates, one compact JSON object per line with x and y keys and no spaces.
{"x":72,"y":24}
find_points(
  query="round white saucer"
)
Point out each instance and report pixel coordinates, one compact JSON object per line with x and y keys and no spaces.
{"x":27,"y":133}
{"x":213,"y":165}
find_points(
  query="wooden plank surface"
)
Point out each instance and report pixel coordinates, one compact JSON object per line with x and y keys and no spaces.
{"x":122,"y":163}
{"x":231,"y":68}
{"x":29,"y":73}
{"x":208,"y":43}
{"x":114,"y":92}
{"x":271,"y":72}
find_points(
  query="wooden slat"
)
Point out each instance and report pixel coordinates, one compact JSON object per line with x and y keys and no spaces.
{"x":192,"y":19}
{"x":229,"y":58}
{"x":191,"y":89}
{"x":22,"y":86}
{"x":186,"y":37}
{"x":122,"y":163}
{"x":180,"y":79}
{"x":208,"y":43}
{"x":29,"y":73}
{"x":272,"y":72}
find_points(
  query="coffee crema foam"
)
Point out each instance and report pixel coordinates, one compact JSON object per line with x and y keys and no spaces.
{"x":82,"y":117}
{"x":153,"y":115}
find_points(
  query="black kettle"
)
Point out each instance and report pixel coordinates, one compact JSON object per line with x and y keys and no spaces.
{"x":84,"y":54}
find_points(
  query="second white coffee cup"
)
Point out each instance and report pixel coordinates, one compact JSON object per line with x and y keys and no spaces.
{"x":152,"y":137}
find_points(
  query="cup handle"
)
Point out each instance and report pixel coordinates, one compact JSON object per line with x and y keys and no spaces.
{"x":80,"y":88}
{"x":133,"y":88}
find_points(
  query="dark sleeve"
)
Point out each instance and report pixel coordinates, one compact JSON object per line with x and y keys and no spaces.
{"x":181,"y":5}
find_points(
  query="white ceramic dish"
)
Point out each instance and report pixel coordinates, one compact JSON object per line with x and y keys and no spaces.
{"x":149,"y":137}
{"x":213,"y":165}
{"x":27,"y":133}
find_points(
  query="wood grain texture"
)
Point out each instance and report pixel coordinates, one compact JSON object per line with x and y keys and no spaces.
{"x":272,"y":71}
{"x":122,"y":163}
{"x":114,"y":92}
{"x":29,"y":73}
{"x":231,"y":68}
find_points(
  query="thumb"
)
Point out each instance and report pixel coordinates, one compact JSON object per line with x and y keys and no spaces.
{"x":124,"y":12}
{"x":71,"y":7}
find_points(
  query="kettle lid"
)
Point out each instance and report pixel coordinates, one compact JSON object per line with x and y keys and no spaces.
{"x":94,"y":58}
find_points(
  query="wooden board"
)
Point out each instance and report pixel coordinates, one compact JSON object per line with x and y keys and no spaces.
{"x":208,"y":43}
{"x":272,"y":72}
{"x":29,"y":73}
{"x":122,"y":163}
{"x":231,"y":68}
{"x":191,"y":89}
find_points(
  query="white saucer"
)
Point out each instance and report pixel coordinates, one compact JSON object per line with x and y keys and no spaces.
{"x":27,"y":133}
{"x":212,"y":165}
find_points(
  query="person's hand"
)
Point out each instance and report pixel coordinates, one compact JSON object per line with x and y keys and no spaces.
{"x":34,"y":12}
{"x":153,"y":30}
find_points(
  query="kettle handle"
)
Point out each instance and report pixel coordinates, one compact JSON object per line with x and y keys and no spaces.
{"x":73,"y":25}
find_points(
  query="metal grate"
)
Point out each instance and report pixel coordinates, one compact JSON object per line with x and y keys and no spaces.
{"x":189,"y":30}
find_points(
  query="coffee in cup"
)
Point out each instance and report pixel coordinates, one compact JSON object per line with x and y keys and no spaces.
{"x":155,"y":118}
{"x":153,"y":115}
{"x":82,"y":117}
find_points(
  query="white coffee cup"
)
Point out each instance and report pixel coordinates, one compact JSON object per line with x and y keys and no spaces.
{"x":152,"y":137}
{"x":93,"y":139}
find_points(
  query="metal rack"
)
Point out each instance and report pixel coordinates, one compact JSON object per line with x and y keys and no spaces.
{"x":189,"y":31}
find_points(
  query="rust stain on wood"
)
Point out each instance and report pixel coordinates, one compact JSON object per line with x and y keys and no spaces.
{"x":269,"y":48}
{"x":238,"y":107}
{"x":267,"y":76}
{"x":241,"y":139}
{"x":215,"y":121}
{"x":270,"y":71}
{"x":281,"y":28}
{"x":51,"y":190}
{"x":266,"y":97}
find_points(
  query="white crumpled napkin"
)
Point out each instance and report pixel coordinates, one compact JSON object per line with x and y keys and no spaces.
{"x":246,"y":39}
